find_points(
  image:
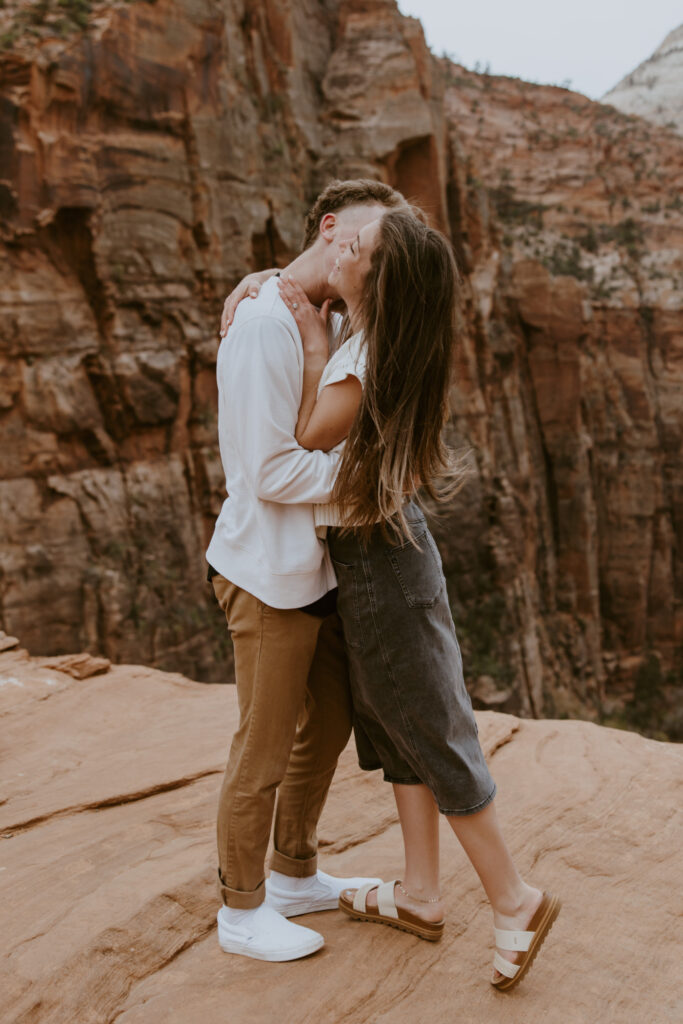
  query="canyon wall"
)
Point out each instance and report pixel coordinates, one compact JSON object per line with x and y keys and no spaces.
{"x":151,"y":153}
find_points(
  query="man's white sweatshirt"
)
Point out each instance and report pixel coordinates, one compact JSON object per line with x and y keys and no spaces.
{"x":265,"y":540}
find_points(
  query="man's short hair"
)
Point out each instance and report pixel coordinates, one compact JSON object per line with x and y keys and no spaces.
{"x":340,"y":194}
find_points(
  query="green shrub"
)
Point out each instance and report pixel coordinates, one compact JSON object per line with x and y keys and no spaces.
{"x":77,"y":11}
{"x":644,"y":710}
{"x":512,"y":209}
{"x":589,"y":239}
{"x":565,"y":259}
{"x":8,"y":39}
{"x":482,"y":627}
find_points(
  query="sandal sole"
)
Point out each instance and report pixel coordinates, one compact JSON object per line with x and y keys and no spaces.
{"x":542,"y":931}
{"x":429,"y":934}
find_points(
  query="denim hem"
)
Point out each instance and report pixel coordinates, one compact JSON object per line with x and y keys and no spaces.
{"x":470,"y":810}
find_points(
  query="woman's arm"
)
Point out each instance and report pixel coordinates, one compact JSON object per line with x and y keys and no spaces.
{"x":248,"y":286}
{"x":332,"y":415}
{"x":325,"y":421}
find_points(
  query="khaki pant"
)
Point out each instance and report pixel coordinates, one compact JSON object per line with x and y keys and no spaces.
{"x":295,"y":719}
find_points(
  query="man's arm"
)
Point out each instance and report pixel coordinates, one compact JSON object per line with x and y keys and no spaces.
{"x":259,"y":376}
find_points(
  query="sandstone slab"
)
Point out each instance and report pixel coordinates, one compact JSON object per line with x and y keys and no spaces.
{"x":107,"y":871}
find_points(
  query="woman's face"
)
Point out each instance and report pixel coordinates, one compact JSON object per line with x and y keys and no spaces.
{"x":353,"y":262}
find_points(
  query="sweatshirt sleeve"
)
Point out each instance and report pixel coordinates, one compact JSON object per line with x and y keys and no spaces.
{"x":259,"y":377}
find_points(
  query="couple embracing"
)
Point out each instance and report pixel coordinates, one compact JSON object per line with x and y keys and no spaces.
{"x":333,"y":588}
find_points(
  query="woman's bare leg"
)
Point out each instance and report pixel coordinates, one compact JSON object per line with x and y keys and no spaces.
{"x":514,"y":902}
{"x":419,"y":817}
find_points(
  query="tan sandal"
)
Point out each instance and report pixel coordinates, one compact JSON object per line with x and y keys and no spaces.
{"x":528,"y":943}
{"x":387,"y":912}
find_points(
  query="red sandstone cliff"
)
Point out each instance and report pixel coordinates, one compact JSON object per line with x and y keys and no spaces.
{"x":147,"y":160}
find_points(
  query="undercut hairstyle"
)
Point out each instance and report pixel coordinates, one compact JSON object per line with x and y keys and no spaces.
{"x":409,"y":316}
{"x":340,"y":194}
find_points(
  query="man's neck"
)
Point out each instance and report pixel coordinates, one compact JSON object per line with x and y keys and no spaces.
{"x":306,"y":270}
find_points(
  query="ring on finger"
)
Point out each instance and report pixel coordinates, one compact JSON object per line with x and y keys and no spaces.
{"x":295,"y":305}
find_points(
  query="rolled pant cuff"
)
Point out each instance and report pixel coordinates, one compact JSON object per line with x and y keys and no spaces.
{"x":238,"y":899}
{"x":292,"y":866}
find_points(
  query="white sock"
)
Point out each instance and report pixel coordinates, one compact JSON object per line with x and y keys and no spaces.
{"x":233,"y":915}
{"x":290,"y":884}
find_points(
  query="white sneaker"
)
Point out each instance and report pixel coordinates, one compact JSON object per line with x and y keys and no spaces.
{"x":263,"y":934}
{"x":293,"y":896}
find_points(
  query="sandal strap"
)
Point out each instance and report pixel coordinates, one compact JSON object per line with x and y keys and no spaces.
{"x":504,"y":966}
{"x":513,"y":941}
{"x":386,"y":904}
{"x":361,"y":895}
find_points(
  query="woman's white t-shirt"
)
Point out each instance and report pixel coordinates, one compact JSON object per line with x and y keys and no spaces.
{"x":349,"y":360}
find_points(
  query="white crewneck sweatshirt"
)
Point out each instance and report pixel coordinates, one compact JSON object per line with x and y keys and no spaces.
{"x":265,"y":540}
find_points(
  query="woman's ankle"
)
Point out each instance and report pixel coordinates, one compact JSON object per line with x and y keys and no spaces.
{"x":423,"y":901}
{"x":420,"y":891}
{"x":517,"y":900}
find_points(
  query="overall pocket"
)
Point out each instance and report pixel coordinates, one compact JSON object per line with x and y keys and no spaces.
{"x":348,"y":604}
{"x":418,"y":572}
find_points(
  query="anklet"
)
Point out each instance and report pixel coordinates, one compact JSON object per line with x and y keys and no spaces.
{"x":432,"y":899}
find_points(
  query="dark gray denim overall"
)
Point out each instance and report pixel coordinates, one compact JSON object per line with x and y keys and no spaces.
{"x":412,"y":713}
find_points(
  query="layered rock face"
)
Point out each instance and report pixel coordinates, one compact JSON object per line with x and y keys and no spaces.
{"x":575,"y":357}
{"x":109,"y":793}
{"x":655,"y":89}
{"x":152,"y":158}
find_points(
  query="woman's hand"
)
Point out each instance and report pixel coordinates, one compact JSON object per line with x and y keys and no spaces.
{"x":249,"y":286}
{"x":312,"y":322}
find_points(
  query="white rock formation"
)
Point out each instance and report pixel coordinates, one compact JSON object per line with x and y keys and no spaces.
{"x":655,"y":89}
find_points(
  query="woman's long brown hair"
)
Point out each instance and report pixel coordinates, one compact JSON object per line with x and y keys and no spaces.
{"x":409,"y":316}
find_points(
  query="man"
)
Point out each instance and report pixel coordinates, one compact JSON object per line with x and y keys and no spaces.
{"x":271,"y":575}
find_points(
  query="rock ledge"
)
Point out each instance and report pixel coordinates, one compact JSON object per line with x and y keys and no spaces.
{"x":107,"y":870}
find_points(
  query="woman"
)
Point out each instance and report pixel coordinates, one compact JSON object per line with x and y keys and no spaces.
{"x":382,"y":398}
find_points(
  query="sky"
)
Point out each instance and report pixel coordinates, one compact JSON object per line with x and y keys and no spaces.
{"x":590,"y":43}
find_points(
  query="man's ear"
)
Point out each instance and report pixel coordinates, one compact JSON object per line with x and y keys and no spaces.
{"x":328,"y":226}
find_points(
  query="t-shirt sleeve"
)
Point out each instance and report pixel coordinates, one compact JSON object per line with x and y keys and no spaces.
{"x":350,"y":363}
